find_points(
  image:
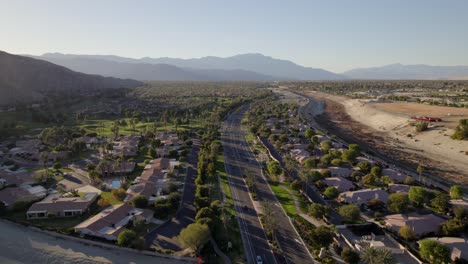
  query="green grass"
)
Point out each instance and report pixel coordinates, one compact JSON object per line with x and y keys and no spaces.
{"x":110,"y":198}
{"x":232,"y":232}
{"x":284,"y":198}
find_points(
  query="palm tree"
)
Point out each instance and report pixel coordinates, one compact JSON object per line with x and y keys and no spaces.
{"x":372,"y":255}
{"x":420,"y":170}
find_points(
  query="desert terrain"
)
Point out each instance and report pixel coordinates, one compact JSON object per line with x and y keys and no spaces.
{"x":385,"y":127}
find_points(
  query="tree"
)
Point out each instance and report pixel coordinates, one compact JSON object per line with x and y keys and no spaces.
{"x":376,"y":171}
{"x":364,"y":166}
{"x":369,"y":179}
{"x":56,"y":166}
{"x":440,"y":202}
{"x":406,"y":232}
{"x":103,"y":202}
{"x":140,"y":201}
{"x":417,"y":195}
{"x":331,"y":192}
{"x":408,"y":180}
{"x":274,"y":168}
{"x":421,"y":126}
{"x":456,"y":192}
{"x":336,"y":162}
{"x":204,"y":212}
{"x":322,"y":236}
{"x":434,"y":252}
{"x":372,"y":255}
{"x":126,"y":238}
{"x":195,"y":236}
{"x":453,"y":227}
{"x":398,"y":202}
{"x":152,"y":153}
{"x":309,"y":133}
{"x":420,"y":171}
{"x":318,"y":211}
{"x":119,"y":194}
{"x":350,"y":213}
{"x":459,"y":212}
{"x":297,"y":184}
{"x":350,"y":256}
{"x":326,"y":145}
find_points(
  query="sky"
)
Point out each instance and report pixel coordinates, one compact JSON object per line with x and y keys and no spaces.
{"x":330,"y":34}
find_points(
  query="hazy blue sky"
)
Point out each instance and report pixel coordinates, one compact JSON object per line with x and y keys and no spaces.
{"x":335,"y":35}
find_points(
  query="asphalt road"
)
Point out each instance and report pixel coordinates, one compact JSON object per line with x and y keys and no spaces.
{"x":165,"y":236}
{"x":240,"y":160}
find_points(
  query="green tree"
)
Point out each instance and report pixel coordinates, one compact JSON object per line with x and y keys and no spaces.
{"x":420,"y":171}
{"x":126,"y":238}
{"x":322,"y":236}
{"x":456,"y":192}
{"x":274,"y":168}
{"x":364,"y":166}
{"x":376,"y":171}
{"x":350,"y":212}
{"x":406,"y":232}
{"x":331,"y":192}
{"x":417,"y":195}
{"x":140,"y":201}
{"x":318,"y":211}
{"x":119,"y":194}
{"x":204,"y":212}
{"x":440,"y":202}
{"x":372,"y":255}
{"x":152,"y":153}
{"x":350,"y":256}
{"x":434,"y":252}
{"x":195,"y":236}
{"x":453,"y":227}
{"x":398,"y":202}
{"x":326,"y":145}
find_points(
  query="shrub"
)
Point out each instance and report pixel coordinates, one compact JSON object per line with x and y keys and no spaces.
{"x":421,"y":126}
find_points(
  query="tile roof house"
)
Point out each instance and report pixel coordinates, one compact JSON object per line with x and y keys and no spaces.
{"x":394,"y":175}
{"x":363,"y":196}
{"x":339,"y":183}
{"x":127,"y":145}
{"x":152,"y":181}
{"x":9,"y":196}
{"x":340,"y":171}
{"x":398,"y":188}
{"x":458,"y":246}
{"x":459,"y":202}
{"x":421,"y":224}
{"x":112,"y":221}
{"x":18,"y":178}
{"x":61,"y":207}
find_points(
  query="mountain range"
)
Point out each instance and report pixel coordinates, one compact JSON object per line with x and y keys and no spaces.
{"x":410,"y":72}
{"x":24,"y":79}
{"x":248,"y":67}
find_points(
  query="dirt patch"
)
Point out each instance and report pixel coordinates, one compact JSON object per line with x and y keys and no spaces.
{"x":449,"y":115}
{"x":338,"y":122}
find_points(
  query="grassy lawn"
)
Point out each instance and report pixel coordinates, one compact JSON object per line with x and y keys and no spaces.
{"x":110,"y":198}
{"x":232,"y":232}
{"x":284,"y":198}
{"x":54,"y":224}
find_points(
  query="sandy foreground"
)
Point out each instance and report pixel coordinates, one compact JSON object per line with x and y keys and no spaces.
{"x":23,"y":245}
{"x":392,"y":121}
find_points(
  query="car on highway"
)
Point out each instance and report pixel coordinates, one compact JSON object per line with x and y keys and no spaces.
{"x":259,"y":260}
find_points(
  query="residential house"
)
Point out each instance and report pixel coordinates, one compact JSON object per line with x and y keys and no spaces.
{"x":398,"y":188}
{"x":364,"y":159}
{"x":17,"y":178}
{"x":153,"y":180}
{"x":421,"y":224}
{"x":340,"y":171}
{"x":458,"y":246}
{"x":339,"y":183}
{"x":128,"y":146}
{"x":112,"y":221}
{"x":363,"y":196}
{"x":61,"y":207}
{"x":10,"y":196}
{"x":395,"y":176}
{"x":300,"y":154}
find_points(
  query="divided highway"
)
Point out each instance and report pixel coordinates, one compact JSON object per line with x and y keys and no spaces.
{"x":240,"y":160}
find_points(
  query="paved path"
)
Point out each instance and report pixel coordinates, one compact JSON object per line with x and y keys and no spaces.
{"x":307,"y":217}
{"x":219,"y":252}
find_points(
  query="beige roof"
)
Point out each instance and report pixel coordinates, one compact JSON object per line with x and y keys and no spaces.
{"x":363,"y":196}
{"x":107,"y":218}
{"x":421,"y":224}
{"x":150,"y":179}
{"x":459,"y":202}
{"x":399,"y":188}
{"x":57,"y":205}
{"x":19,"y":179}
{"x":340,"y":171}
{"x":339,"y":183}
